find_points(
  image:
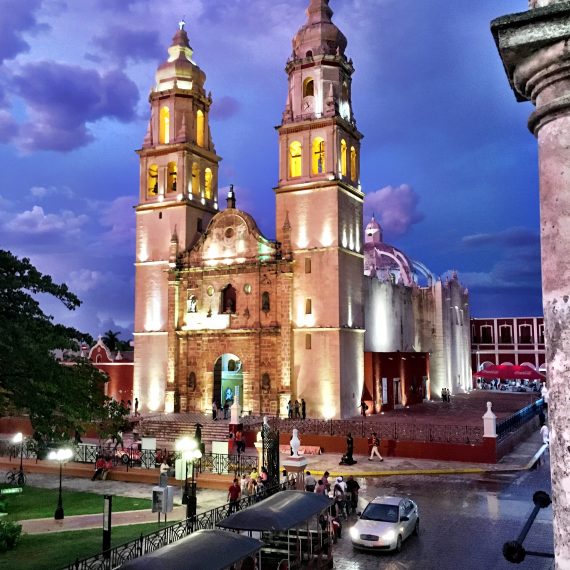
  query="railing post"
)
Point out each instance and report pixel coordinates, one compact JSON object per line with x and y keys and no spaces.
{"x":489,"y":422}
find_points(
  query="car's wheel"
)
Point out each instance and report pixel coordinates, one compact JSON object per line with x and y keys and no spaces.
{"x":417,"y":528}
{"x":399,"y":544}
{"x":125,"y":459}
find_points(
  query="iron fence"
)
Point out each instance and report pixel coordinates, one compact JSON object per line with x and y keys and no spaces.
{"x":516,"y":421}
{"x":438,"y":433}
{"x":145,"y":544}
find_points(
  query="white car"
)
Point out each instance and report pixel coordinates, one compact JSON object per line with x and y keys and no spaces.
{"x":385,"y":523}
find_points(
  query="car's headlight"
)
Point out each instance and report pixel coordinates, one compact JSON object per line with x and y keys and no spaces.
{"x":354,"y":533}
{"x":390,"y":535}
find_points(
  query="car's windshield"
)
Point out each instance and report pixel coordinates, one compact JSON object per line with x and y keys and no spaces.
{"x":382,"y":513}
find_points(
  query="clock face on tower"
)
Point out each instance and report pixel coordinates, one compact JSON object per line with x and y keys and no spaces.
{"x":308,"y":105}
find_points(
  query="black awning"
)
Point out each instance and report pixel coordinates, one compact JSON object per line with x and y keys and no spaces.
{"x":283,"y":511}
{"x":202,"y":550}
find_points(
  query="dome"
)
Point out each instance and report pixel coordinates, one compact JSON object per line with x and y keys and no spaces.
{"x":319,"y":36}
{"x":373,"y":231}
{"x":179,"y":65}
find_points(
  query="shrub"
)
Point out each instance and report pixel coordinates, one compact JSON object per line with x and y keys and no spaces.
{"x":3,"y":507}
{"x":9,"y":535}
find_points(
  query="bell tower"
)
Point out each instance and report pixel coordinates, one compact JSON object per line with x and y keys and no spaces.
{"x":178,"y":196}
{"x":319,"y":194}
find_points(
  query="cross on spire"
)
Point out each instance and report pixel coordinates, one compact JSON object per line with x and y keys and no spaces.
{"x":181,"y":24}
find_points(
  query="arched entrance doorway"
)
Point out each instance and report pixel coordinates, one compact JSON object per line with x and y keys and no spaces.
{"x":228,"y":379}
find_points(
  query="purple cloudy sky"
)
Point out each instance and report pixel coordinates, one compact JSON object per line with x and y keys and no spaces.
{"x":448,"y":164}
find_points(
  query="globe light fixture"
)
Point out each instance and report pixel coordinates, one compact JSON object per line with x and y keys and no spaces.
{"x":61,"y":456}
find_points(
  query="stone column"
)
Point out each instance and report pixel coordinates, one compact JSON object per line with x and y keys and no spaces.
{"x":534,"y":50}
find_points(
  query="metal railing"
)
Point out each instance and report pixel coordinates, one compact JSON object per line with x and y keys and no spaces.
{"x":132,"y":456}
{"x":118,"y":555}
{"x":516,"y":421}
{"x":437,"y":433}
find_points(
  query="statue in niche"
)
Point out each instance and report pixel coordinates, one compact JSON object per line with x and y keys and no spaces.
{"x":192,"y":382}
{"x":229,"y":306}
{"x":192,"y":305}
{"x":265,"y":383}
{"x":265,"y":303}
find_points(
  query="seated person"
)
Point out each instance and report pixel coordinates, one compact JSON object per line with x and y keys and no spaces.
{"x":99,"y":468}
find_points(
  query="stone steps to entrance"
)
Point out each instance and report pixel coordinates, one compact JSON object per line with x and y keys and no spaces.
{"x":168,"y":428}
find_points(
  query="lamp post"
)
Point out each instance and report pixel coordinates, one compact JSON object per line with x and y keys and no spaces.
{"x":190,"y":453}
{"x":61,"y":456}
{"x":19,"y":438}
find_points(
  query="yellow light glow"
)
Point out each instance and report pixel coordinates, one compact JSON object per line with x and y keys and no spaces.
{"x":208,"y":183}
{"x":343,"y":157}
{"x":200,"y":128}
{"x":295,"y":159}
{"x":318,"y":158}
{"x":164,"y":128}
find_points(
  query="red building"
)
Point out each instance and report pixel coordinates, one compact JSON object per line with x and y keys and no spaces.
{"x":118,"y":366}
{"x":518,"y":340}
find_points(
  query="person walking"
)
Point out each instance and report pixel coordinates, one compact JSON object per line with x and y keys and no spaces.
{"x":296,"y":406}
{"x":234,"y":493}
{"x":349,"y":449}
{"x":303,"y":409}
{"x":363,"y":407}
{"x":214,"y":410}
{"x":310,"y":483}
{"x":289,"y":409}
{"x":352,"y":488}
{"x":375,"y":447}
{"x":320,"y":489}
{"x":137,"y":407}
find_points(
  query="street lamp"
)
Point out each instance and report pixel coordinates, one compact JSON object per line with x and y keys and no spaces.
{"x":188,"y":447}
{"x":19,"y":438}
{"x":61,"y":456}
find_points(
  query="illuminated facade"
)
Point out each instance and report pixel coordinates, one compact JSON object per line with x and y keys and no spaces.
{"x":224,"y":313}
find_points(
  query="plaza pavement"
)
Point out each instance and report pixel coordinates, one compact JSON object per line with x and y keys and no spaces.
{"x":522,"y":458}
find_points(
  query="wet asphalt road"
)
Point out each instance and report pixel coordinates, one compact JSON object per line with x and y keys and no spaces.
{"x":465,"y":520}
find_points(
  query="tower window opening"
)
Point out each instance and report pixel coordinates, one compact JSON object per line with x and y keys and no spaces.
{"x":295,"y":159}
{"x":308,"y":87}
{"x":152,"y":184}
{"x":343,"y":150}
{"x":309,"y":54}
{"x":308,"y":342}
{"x":164,"y":130}
{"x":160,"y":215}
{"x":318,"y":156}
{"x":172,"y":175}
{"x":208,"y":183}
{"x":199,"y":225}
{"x":200,"y":128}
{"x":308,"y":307}
{"x":308,"y":266}
{"x":353,"y":166}
{"x":195,"y":179}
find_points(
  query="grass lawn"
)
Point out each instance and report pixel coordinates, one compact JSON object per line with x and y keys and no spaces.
{"x":36,"y":503}
{"x":56,"y":550}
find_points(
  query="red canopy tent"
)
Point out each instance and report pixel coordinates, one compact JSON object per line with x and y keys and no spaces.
{"x":509,"y":372}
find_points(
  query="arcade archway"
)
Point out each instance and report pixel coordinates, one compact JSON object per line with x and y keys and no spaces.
{"x":228,"y":379}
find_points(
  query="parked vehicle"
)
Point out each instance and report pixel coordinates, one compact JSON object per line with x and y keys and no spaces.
{"x":385,"y":523}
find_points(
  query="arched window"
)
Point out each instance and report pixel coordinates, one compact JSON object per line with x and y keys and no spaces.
{"x":195,"y":179}
{"x":343,"y":157}
{"x":200,"y":128}
{"x":152,"y":185}
{"x":265,"y":302}
{"x":308,"y":88}
{"x":229,"y":295}
{"x":172,"y":174}
{"x":318,"y":156}
{"x":353,"y":168}
{"x":208,"y":183}
{"x":295,"y":159}
{"x":164,"y":130}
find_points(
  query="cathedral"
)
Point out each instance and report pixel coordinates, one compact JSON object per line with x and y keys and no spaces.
{"x":223,"y":313}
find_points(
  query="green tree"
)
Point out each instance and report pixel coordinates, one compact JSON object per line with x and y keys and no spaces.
{"x":58,"y":397}
{"x":111,"y":340}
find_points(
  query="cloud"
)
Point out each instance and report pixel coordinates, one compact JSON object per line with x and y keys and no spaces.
{"x":64,"y":99}
{"x":42,"y":191}
{"x":8,"y":127}
{"x":119,"y":217}
{"x":17,"y":18}
{"x":395,"y":207}
{"x":225,"y":108}
{"x":510,"y":237}
{"x":36,"y":222}
{"x":84,"y":280}
{"x":123,"y":44}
